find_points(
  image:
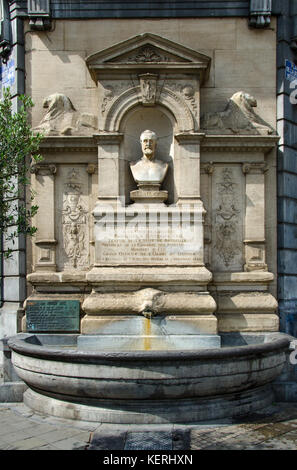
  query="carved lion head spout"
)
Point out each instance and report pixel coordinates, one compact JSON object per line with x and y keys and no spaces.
{"x":61,"y":118}
{"x":238,"y":117}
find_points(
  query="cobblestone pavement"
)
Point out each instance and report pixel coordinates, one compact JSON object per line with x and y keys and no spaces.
{"x":275,"y":428}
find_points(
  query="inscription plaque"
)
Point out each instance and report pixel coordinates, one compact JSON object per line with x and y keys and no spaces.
{"x":53,"y":315}
{"x":149,"y":252}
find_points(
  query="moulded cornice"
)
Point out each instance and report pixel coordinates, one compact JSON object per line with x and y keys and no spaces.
{"x":238,"y":143}
{"x":68,"y":144}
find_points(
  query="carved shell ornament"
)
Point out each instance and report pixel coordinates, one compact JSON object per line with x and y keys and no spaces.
{"x":148,"y":54}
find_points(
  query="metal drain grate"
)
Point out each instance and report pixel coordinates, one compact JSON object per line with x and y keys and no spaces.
{"x":148,"y":441}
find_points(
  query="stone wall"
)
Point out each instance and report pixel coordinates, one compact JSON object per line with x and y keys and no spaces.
{"x":242,"y":58}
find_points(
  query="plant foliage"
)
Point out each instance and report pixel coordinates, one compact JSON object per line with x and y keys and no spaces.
{"x":18,"y":149}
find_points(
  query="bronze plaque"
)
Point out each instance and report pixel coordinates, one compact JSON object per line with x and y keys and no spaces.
{"x":53,"y":315}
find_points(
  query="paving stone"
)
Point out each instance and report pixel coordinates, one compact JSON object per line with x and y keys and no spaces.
{"x":285,"y":442}
{"x":47,"y":447}
{"x":205,"y":438}
{"x":28,"y":444}
{"x":5,"y":446}
{"x":71,"y":444}
{"x":56,"y":435}
{"x":30,"y":431}
{"x":107,"y":440}
{"x":12,"y":437}
{"x":273,"y":429}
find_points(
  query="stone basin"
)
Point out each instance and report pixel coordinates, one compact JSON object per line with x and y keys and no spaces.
{"x":149,"y":386}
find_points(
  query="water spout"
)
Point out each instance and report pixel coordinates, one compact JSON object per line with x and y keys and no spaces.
{"x":148,"y":313}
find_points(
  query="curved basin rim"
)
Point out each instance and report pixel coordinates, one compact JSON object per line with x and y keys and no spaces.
{"x":18,"y":345}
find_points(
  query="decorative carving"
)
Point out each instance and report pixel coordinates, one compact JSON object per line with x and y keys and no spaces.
{"x":227,"y":185}
{"x":108,"y":96}
{"x":237,"y":118}
{"x":255,"y":167}
{"x":185,"y":119}
{"x":207,"y":168}
{"x":62,"y":118}
{"x":148,"y":54}
{"x":91,"y":168}
{"x":130,"y":98}
{"x":246,"y":168}
{"x":189,"y":94}
{"x":74,"y":223}
{"x":225,"y":242}
{"x":227,"y":213}
{"x":111,"y":91}
{"x":148,"y":87}
{"x":43,"y":168}
{"x":227,"y":219}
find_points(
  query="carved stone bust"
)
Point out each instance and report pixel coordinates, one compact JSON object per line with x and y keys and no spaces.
{"x":147,"y":169}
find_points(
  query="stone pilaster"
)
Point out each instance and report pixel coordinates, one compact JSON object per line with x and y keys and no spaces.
{"x":45,"y":242}
{"x":188,"y":167}
{"x":108,"y":166}
{"x":206,"y":191}
{"x":254,"y":235}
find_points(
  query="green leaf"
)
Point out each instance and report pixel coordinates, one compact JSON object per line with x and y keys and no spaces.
{"x":19,"y":147}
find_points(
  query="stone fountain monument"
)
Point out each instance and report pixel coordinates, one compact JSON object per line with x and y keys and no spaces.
{"x":150,"y":283}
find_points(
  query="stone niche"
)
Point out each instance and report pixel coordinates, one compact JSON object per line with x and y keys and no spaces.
{"x":215,"y":281}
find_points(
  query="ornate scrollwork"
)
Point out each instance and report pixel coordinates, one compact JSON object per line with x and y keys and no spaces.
{"x":227,"y":219}
{"x":74,"y":223}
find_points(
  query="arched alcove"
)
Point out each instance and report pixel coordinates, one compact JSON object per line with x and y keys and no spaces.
{"x":138,"y":119}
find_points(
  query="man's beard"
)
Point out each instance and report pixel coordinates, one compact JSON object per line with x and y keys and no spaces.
{"x":149,"y":153}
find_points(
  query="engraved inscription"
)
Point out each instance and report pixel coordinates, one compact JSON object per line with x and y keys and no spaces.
{"x":149,"y":252}
{"x":53,"y":315}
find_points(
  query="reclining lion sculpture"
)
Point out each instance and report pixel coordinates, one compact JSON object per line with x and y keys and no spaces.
{"x":238,"y":117}
{"x":61,"y":118}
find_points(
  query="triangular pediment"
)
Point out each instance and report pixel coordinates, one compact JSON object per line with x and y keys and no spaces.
{"x":148,"y":54}
{"x":147,"y":49}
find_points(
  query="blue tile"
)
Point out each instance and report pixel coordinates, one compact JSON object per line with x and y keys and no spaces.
{"x":287,"y":185}
{"x":287,"y":261}
{"x":287,"y":210}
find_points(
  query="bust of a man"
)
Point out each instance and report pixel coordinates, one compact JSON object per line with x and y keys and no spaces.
{"x":147,"y":169}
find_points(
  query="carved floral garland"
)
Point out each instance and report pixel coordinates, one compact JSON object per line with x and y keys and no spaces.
{"x":227,"y":219}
